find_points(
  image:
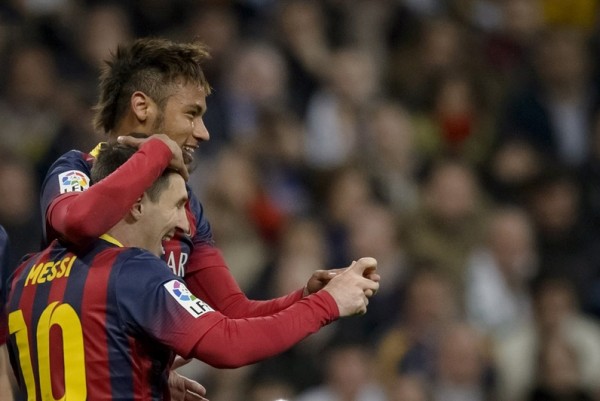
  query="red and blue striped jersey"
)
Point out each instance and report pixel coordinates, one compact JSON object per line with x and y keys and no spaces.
{"x":99,"y":325}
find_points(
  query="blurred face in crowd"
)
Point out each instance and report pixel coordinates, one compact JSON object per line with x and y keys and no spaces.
{"x":451,"y":193}
{"x":512,"y":244}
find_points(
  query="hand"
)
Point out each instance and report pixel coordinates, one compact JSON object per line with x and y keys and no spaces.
{"x":177,"y":163}
{"x":351,"y":290}
{"x":182,"y":388}
{"x":319,"y":279}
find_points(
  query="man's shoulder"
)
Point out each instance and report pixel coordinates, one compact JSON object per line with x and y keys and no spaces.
{"x":139,"y":257}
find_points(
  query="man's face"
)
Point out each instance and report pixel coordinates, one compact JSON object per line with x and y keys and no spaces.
{"x":166,"y":215}
{"x":181,"y":118}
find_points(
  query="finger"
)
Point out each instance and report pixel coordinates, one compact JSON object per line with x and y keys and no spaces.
{"x":363,"y":264}
{"x":369,"y":293}
{"x":325,"y":275}
{"x":194,"y":397}
{"x":130,"y":140}
{"x":373,"y":277}
{"x":194,"y":387}
{"x":179,"y":362}
{"x":184,"y":172}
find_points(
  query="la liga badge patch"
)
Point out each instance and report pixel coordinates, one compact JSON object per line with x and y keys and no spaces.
{"x":73,"y":181}
{"x":195,"y":306}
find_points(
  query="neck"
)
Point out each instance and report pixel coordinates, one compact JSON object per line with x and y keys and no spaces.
{"x":129,"y":235}
{"x":128,"y":125}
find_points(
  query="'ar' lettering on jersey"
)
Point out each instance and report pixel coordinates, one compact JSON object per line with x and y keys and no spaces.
{"x":177,"y":252}
{"x":176,"y":261}
{"x":48,"y":271}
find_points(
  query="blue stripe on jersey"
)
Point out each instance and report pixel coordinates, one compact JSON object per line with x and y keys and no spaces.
{"x":120,"y":353}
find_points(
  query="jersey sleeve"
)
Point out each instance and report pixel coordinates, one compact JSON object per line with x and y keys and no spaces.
{"x":208,"y":276}
{"x":156,"y":303}
{"x":78,"y":214}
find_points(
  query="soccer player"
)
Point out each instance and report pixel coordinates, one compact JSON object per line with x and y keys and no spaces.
{"x":103,"y":322}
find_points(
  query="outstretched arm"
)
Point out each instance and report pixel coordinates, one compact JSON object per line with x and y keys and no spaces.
{"x":232,"y":343}
{"x":208,"y":277}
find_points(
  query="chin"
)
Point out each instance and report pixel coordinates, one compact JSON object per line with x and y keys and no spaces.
{"x":191,"y":166}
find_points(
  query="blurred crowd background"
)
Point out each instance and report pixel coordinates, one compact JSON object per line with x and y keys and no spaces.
{"x":456,"y":141}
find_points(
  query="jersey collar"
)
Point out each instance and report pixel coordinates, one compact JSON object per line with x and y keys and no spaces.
{"x":111,"y":239}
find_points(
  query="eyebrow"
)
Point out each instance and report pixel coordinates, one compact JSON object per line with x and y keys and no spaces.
{"x":197,"y":109}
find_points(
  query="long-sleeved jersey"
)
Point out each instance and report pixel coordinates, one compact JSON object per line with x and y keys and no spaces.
{"x":78,"y":212}
{"x":102,"y":324}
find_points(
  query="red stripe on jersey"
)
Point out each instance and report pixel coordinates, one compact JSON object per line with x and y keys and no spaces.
{"x":142,"y":367}
{"x":93,"y":321}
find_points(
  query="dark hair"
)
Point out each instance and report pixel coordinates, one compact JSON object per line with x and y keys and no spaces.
{"x":112,"y":155}
{"x":149,"y":65}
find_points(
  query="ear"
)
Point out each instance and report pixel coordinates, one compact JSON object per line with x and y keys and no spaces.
{"x":141,"y":105}
{"x":137,"y":209}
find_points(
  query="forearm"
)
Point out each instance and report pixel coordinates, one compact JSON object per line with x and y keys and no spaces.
{"x":231,"y":343}
{"x":209,"y":278}
{"x":81,"y":216}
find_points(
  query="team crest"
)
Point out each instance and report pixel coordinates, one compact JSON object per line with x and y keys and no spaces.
{"x":185,"y":298}
{"x":73,"y":181}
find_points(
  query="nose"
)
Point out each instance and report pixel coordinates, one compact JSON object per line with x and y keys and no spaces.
{"x":199,"y":131}
{"x":182,"y":222}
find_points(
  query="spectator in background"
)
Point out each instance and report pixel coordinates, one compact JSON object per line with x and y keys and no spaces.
{"x":391,"y":157}
{"x":338,"y":112}
{"x":19,"y":211}
{"x":512,"y":165}
{"x":558,"y":375}
{"x":255,"y":81}
{"x":456,"y":121}
{"x":450,"y":222}
{"x":345,"y":192}
{"x":556,"y":314}
{"x":568,"y":242}
{"x":244,"y":218}
{"x":302,"y":36}
{"x":439,"y":45}
{"x":375,"y":230}
{"x":498,"y":274}
{"x":30,"y":113}
{"x":429,"y":307}
{"x":347,"y":377}
{"x":553,"y":110}
{"x":279,"y":154}
{"x":462,"y":366}
{"x":409,"y":387}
